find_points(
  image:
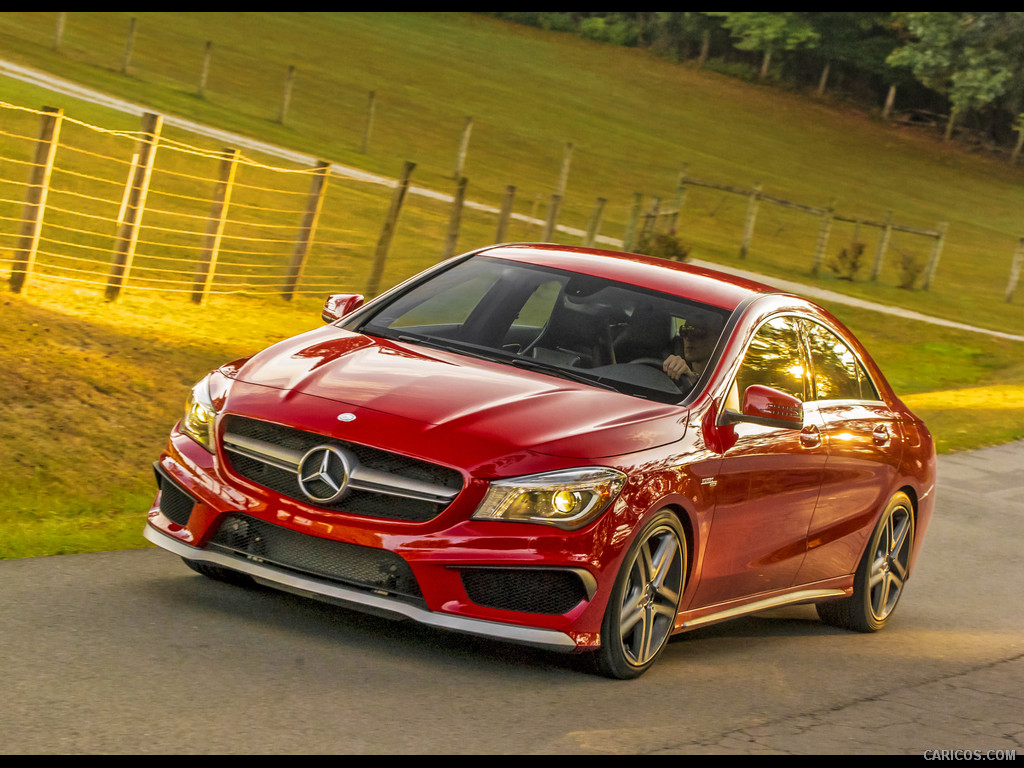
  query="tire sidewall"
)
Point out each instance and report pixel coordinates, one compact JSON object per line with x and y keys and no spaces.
{"x":865,"y":617}
{"x":611,"y":657}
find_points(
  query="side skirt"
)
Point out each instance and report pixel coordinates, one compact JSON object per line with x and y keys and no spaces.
{"x":684,"y":624}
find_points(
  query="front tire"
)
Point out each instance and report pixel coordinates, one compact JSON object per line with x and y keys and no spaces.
{"x":881,"y":575}
{"x":642,"y":609}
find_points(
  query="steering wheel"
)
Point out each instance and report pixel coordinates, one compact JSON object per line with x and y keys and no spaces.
{"x":654,"y":362}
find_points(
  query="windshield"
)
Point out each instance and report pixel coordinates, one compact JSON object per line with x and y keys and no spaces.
{"x":586,"y":328}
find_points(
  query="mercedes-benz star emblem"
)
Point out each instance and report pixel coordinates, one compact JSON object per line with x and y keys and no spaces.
{"x":323,"y":474}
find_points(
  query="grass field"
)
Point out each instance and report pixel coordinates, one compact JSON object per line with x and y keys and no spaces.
{"x":90,"y":389}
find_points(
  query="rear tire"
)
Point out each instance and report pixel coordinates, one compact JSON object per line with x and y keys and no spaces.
{"x":642,"y":609}
{"x":881,"y":575}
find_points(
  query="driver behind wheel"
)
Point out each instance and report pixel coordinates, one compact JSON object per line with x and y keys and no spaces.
{"x":692,"y":348}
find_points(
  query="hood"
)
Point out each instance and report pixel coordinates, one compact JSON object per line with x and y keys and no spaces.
{"x":455,"y":396}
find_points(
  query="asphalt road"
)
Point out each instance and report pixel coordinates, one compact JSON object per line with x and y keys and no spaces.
{"x":130,"y":652}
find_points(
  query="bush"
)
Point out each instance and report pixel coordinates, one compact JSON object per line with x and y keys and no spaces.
{"x":663,"y":246}
{"x":911,"y":268}
{"x":849,"y":262}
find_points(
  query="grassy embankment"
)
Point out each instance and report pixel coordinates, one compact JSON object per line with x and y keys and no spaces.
{"x":90,"y":389}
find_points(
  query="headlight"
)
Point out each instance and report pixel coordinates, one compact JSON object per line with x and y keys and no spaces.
{"x":197,"y":422}
{"x":568,"y":499}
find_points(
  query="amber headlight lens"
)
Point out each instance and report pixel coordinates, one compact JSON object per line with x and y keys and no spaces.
{"x":568,"y":499}
{"x":197,"y":422}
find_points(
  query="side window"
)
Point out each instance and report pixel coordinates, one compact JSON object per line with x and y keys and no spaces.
{"x":837,"y":373}
{"x":774,"y":359}
{"x":449,"y":306}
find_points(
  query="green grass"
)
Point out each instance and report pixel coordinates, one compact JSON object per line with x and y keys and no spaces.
{"x":91,"y":388}
{"x":90,"y":391}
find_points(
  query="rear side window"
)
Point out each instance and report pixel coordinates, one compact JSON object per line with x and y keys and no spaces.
{"x":838,"y":375}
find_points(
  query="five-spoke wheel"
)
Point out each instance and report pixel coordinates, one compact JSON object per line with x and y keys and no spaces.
{"x":881,"y":574}
{"x":642,"y":611}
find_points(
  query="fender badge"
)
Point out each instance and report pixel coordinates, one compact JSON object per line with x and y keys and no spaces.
{"x":346,"y":417}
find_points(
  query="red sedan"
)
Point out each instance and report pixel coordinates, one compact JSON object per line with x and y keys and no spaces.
{"x":576,"y":449}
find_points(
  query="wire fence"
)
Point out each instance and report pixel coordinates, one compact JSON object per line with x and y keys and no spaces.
{"x":143,"y":210}
{"x":111,"y":209}
{"x":146,"y":210}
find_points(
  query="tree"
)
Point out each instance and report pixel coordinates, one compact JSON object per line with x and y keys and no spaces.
{"x":861,"y":40}
{"x":971,"y":58}
{"x":768,"y":32}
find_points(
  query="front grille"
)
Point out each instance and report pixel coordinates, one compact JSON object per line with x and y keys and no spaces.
{"x":398,"y":488}
{"x":529,"y":590}
{"x":350,"y":564}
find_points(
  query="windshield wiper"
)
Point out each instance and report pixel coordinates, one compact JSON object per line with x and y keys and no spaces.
{"x":554,"y":370}
{"x":445,"y":345}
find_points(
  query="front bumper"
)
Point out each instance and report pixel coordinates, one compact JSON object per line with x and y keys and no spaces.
{"x":516,"y":582}
{"x":391,"y":607}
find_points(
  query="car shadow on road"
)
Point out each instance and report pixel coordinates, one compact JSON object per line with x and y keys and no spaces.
{"x":260,"y":612}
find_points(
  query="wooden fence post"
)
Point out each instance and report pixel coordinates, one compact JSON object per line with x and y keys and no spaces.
{"x":651,"y":217}
{"x":58,"y":35}
{"x":455,"y":220}
{"x":883,"y":245}
{"x":307,"y":230}
{"x":1018,"y":258}
{"x":933,"y":262}
{"x":35,"y":198}
{"x":563,"y":177}
{"x":748,"y":227}
{"x":128,"y":227}
{"x":552,"y":220}
{"x":205,"y":73}
{"x":215,"y":229}
{"x":286,"y":95}
{"x":634,"y":216}
{"x":370,"y":107}
{"x":680,"y":198}
{"x":823,"y":234}
{"x":388,"y":231}
{"x":594,"y":225}
{"x":460,"y":160}
{"x":505,"y":214}
{"x":128,"y":46}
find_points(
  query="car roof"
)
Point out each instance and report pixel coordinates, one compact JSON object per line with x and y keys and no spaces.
{"x":707,"y":286}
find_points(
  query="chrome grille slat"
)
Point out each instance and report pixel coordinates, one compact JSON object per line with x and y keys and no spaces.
{"x":427,"y":488}
{"x":268,"y":453}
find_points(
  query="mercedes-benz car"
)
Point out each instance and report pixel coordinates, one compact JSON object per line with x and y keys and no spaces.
{"x":576,"y":449}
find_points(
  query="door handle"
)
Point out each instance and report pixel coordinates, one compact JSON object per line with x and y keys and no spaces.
{"x":810,"y":437}
{"x":881,"y":435}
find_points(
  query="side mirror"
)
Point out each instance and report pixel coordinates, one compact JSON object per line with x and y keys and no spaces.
{"x":767,"y":407}
{"x":340,"y":304}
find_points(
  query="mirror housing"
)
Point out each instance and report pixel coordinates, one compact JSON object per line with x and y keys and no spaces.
{"x":767,"y":407}
{"x":340,"y":304}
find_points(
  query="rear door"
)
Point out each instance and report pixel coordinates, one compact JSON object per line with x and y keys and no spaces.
{"x":864,"y":450}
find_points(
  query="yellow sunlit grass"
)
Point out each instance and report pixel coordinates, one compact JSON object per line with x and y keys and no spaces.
{"x":1000,"y":397}
{"x":968,"y":418}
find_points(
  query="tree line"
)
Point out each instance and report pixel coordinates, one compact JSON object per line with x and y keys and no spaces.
{"x":962,"y":70}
